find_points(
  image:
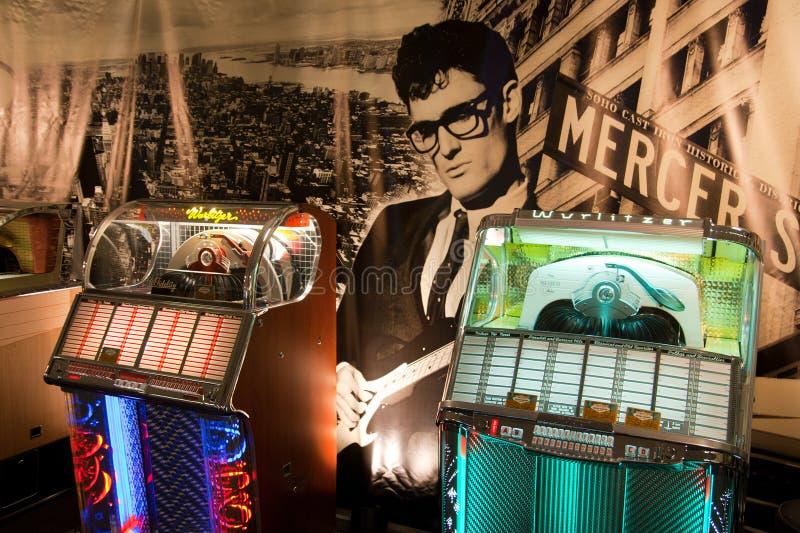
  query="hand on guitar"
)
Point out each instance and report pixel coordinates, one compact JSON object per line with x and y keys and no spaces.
{"x":353,"y":395}
{"x":357,"y":400}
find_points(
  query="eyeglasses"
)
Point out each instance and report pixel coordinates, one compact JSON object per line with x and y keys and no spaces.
{"x":463,"y":121}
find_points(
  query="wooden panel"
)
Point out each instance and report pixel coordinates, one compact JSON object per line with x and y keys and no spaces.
{"x":26,"y":401}
{"x":777,"y":398}
{"x":30,"y":314}
{"x":31,"y":325}
{"x":288,"y":388}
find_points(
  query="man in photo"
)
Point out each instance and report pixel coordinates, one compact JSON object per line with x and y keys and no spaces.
{"x":458,"y":82}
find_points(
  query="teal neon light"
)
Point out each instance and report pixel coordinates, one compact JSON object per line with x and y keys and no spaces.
{"x":461,"y":481}
{"x":501,"y":486}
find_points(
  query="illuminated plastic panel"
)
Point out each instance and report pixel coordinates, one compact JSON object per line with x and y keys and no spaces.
{"x":692,"y":391}
{"x":184,"y":354}
{"x":602,"y":376}
{"x":169,"y":340}
{"x":128,"y":454}
{"x":127,"y":332}
{"x":88,"y":329}
{"x":211,"y":347}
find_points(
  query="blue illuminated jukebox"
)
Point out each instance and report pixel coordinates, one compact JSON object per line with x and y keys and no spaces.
{"x":199,"y":366}
{"x":602,"y":377}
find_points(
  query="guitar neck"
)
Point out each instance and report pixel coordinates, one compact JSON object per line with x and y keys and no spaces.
{"x":419,"y":369}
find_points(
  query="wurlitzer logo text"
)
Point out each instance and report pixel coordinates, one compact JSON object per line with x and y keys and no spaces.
{"x":213,"y":215}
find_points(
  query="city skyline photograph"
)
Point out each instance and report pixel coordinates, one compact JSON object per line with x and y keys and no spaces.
{"x":252,"y":101}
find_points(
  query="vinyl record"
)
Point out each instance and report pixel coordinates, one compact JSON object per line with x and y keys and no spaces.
{"x":650,"y":324}
{"x":228,"y":252}
{"x":224,"y":287}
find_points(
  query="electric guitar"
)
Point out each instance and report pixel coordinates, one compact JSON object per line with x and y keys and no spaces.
{"x":395,"y":386}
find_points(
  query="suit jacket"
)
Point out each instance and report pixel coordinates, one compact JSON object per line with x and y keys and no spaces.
{"x":381,"y":311}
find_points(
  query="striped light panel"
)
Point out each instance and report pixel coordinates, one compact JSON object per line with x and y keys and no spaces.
{"x":172,"y":341}
{"x":168,"y":341}
{"x":691,"y":390}
{"x":87,"y":330}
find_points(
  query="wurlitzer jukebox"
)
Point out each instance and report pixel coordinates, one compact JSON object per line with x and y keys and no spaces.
{"x":199,"y":363}
{"x":37,"y":252}
{"x":602,"y":376}
{"x":35,"y":246}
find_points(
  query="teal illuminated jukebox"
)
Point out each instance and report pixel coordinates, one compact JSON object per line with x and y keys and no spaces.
{"x":602,"y":377}
{"x":199,"y":366}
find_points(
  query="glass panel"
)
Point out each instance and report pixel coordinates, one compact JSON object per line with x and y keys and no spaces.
{"x":206,"y":253}
{"x":682,"y":291}
{"x":31,"y":244}
{"x":650,"y":319}
{"x":35,"y":246}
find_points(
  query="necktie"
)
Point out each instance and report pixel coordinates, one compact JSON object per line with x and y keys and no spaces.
{"x":453,"y":259}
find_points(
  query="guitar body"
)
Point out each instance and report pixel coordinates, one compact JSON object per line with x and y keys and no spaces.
{"x":422,"y":365}
{"x":398,"y":428}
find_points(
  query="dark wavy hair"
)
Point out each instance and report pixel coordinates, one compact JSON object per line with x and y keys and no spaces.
{"x":428,"y":51}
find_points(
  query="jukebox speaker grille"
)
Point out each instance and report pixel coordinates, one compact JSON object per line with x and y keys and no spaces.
{"x":666,"y":499}
{"x":510,"y":488}
{"x":507,"y":498}
{"x":578,"y":509}
{"x":178,"y":468}
{"x":143,"y":466}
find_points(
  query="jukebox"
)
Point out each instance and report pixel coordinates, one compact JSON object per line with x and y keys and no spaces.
{"x":37,"y":252}
{"x":199,"y":366}
{"x":35,"y":246}
{"x":602,"y":376}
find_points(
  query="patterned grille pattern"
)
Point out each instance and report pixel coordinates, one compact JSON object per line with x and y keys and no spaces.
{"x":499,"y":499}
{"x":578,"y":496}
{"x":161,"y":463}
{"x":514,"y":490}
{"x":647,"y":509}
{"x":179,"y":476}
{"x":129,"y":425}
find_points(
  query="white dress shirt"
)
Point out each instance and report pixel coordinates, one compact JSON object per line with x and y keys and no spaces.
{"x":516,"y":197}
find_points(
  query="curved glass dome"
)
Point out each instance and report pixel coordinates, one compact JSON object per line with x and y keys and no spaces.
{"x":631,"y":312}
{"x":36,"y":249}
{"x":250,"y":256}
